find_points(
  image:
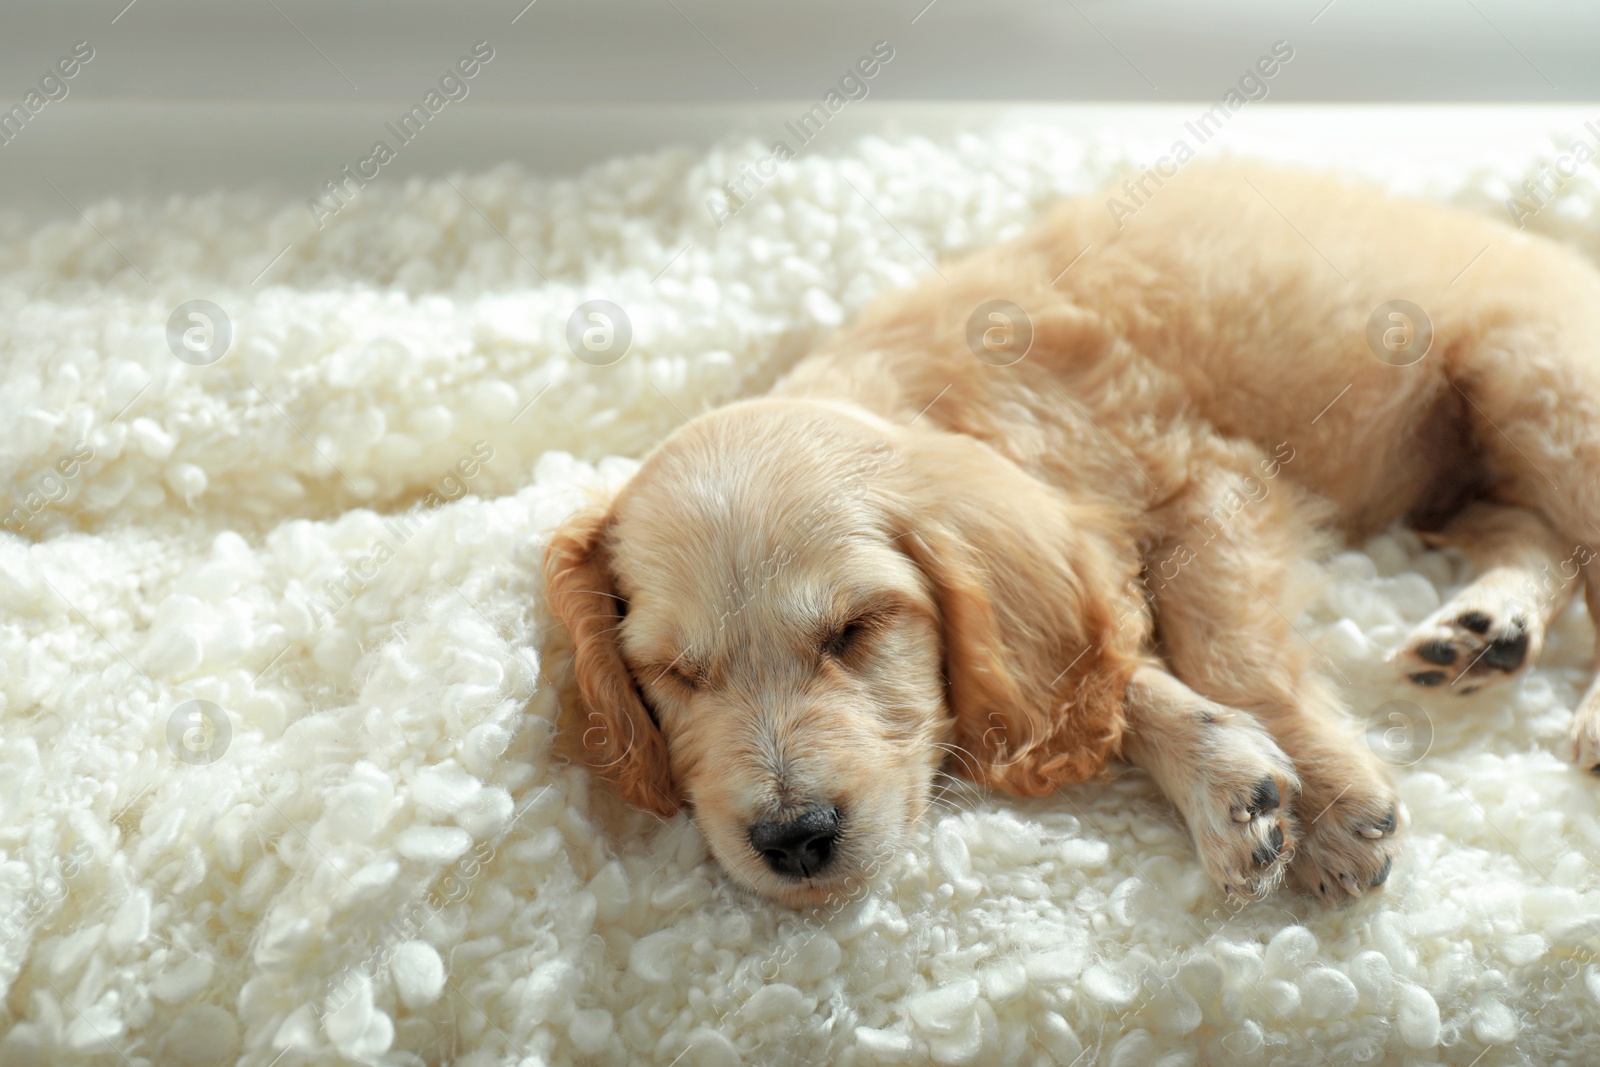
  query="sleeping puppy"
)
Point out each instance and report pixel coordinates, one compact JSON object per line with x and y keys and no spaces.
{"x":1060,"y":505}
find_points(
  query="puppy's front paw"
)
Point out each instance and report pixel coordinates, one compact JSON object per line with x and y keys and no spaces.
{"x":1242,"y":818}
{"x":1480,"y":637}
{"x":1348,"y":840}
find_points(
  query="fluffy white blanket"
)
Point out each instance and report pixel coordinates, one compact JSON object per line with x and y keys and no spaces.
{"x":276,"y":782}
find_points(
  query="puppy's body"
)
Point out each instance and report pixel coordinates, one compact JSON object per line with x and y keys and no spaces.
{"x":1234,"y":306}
{"x":1097,"y":549}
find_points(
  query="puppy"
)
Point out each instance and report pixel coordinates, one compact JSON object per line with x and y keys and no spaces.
{"x":1060,"y":505}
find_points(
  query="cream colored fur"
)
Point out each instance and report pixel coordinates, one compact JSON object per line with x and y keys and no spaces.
{"x":1099,"y":550}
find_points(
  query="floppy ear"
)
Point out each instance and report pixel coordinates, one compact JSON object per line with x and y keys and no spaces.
{"x":621,"y":741}
{"x":1040,"y":636}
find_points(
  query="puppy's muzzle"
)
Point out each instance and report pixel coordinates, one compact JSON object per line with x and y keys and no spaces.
{"x":801,"y":847}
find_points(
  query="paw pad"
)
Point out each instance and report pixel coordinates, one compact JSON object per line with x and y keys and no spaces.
{"x":1271,"y":850}
{"x":1441,"y":652}
{"x":1455,"y":647}
{"x":1350,"y":849}
{"x":1507,"y":653}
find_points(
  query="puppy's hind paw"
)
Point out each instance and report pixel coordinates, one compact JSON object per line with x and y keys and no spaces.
{"x":1479,"y":638}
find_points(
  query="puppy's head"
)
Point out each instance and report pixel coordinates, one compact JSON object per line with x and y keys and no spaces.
{"x":796,"y":613}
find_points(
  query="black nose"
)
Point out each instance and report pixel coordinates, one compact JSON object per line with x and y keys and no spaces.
{"x":800,"y":847}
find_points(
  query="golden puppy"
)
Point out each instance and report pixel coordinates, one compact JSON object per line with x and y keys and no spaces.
{"x":1060,"y":504}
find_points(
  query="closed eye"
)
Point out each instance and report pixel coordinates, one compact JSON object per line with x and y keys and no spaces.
{"x":684,"y":678}
{"x":841,"y":640}
{"x":680,"y":672}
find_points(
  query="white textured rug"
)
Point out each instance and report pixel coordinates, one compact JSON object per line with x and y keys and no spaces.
{"x":356,"y":846}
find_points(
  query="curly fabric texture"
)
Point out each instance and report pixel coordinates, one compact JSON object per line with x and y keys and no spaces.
{"x":276,"y":765}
